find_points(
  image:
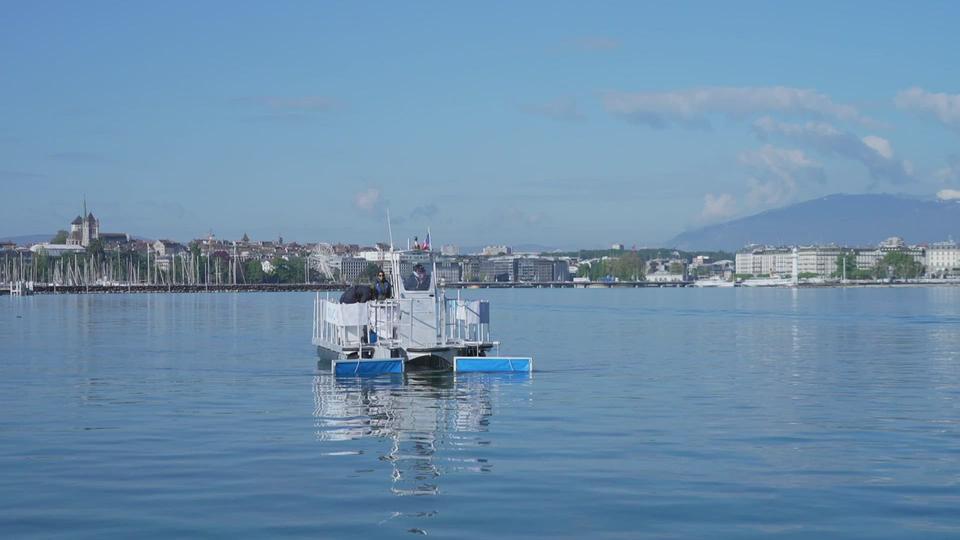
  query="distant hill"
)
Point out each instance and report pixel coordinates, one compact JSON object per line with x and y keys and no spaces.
{"x":27,"y":240}
{"x":852,"y":220}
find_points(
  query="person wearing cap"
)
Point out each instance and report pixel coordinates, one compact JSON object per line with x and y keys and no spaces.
{"x":418,"y":281}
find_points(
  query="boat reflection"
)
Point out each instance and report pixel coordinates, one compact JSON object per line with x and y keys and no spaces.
{"x":433,"y":421}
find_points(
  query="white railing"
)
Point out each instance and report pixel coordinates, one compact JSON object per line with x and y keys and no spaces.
{"x":405,"y":322}
{"x":467,"y":321}
{"x":352,"y":325}
{"x":20,"y":288}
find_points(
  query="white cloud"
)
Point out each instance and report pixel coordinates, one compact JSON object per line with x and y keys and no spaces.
{"x":367,"y":199}
{"x":718,"y":207}
{"x":948,"y":194}
{"x":777,"y":173}
{"x":944,"y":107}
{"x":879,"y":145}
{"x":875,"y":153}
{"x":692,"y":108}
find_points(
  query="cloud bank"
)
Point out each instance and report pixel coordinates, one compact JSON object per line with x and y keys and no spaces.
{"x":367,"y":199}
{"x":777,"y":174}
{"x":692,"y":108}
{"x":944,"y":107}
{"x":875,"y":153}
{"x":718,"y":207}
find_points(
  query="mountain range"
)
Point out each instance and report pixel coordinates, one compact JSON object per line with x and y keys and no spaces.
{"x":848,"y":220}
{"x":27,"y":240}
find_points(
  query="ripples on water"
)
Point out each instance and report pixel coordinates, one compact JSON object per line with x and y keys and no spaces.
{"x":664,"y":413}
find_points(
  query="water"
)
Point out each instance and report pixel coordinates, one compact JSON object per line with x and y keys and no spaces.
{"x":653,"y":413}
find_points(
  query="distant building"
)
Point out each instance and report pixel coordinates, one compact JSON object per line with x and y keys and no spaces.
{"x":561,"y":270}
{"x":449,"y":250}
{"x":493,"y":251}
{"x":534,"y":270}
{"x":868,"y":259}
{"x":818,"y":260}
{"x":617,"y":247}
{"x":768,"y":261}
{"x":504,"y":269}
{"x":114,"y":239}
{"x":674,"y":265}
{"x":165,"y":251}
{"x":83,"y":230}
{"x":165,"y":248}
{"x":57,"y":250}
{"x":449,"y":271}
{"x":351,"y":268}
{"x":476,"y":268}
{"x":943,"y":259}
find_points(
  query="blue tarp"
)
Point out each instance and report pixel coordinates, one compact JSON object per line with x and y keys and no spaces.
{"x":366,"y":368}
{"x":467,"y":364}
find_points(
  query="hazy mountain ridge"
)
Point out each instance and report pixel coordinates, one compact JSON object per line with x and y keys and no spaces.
{"x":853,"y":220}
{"x":28,"y":239}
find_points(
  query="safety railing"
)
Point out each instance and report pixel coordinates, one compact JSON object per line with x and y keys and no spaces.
{"x":352,"y":325}
{"x":466,"y":321}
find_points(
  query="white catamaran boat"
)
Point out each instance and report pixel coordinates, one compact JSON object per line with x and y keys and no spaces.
{"x":418,"y":328}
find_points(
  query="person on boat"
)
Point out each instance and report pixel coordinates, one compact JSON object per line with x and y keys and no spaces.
{"x":357,"y":294}
{"x":381,"y":287}
{"x":419,"y":280}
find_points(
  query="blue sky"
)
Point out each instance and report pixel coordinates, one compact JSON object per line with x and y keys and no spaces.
{"x":562,"y":124}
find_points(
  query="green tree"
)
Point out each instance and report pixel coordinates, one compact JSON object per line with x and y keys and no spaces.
{"x":846,"y":266}
{"x":95,"y":247}
{"x":676,"y":268}
{"x":287,"y":271}
{"x":899,"y":265}
{"x":59,"y":238}
{"x":253,"y":272}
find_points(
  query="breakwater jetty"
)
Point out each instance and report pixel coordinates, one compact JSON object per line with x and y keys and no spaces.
{"x":44,"y":288}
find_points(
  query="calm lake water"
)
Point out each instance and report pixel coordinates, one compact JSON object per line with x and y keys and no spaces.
{"x":661,"y":413}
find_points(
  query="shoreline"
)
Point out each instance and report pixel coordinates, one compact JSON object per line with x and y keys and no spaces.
{"x":327,"y":287}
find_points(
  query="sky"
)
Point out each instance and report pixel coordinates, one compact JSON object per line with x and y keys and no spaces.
{"x":562,"y":124}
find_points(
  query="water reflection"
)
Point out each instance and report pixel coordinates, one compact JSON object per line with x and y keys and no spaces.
{"x":434,"y":422}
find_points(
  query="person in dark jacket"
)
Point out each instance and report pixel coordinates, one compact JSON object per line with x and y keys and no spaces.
{"x":357,"y":294}
{"x":381,"y":287}
{"x":419,"y":280}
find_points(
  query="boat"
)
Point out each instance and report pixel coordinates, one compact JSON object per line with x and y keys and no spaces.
{"x":419,"y":328}
{"x":768,"y":282}
{"x":715,"y":281}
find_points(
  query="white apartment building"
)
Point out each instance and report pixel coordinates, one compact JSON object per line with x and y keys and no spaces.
{"x":867,"y":259}
{"x":765,"y":261}
{"x":819,"y":260}
{"x":493,"y":251}
{"x":943,"y":259}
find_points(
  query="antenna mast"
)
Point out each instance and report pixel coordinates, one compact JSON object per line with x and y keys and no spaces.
{"x":389,"y":229}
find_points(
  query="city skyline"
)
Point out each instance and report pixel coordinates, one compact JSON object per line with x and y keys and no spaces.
{"x":552,"y":124}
